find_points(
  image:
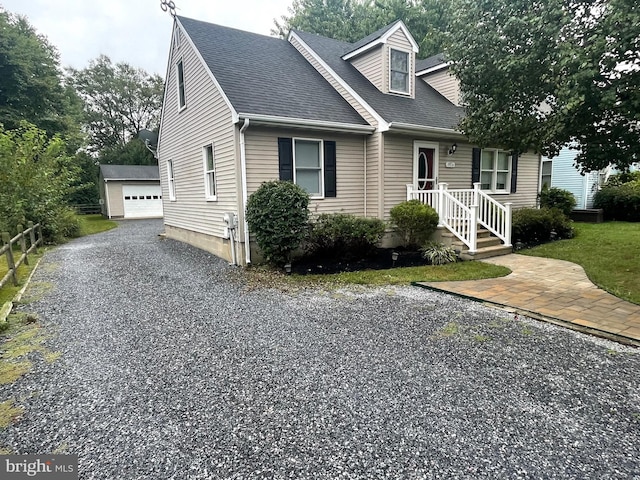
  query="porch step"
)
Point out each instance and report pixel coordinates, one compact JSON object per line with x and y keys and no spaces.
{"x":483,"y":242}
{"x":481,"y":233}
{"x":486,"y":252}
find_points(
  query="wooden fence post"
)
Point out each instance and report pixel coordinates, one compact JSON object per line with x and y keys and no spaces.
{"x":10,"y":263}
{"x":32,"y":237}
{"x":23,"y":244}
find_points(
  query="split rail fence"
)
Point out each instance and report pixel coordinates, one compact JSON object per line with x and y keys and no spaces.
{"x":31,"y":236}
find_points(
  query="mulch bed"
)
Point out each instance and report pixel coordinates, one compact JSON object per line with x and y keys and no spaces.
{"x":380,"y":259}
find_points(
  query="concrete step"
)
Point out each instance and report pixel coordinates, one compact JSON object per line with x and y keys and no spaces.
{"x":486,"y":252}
{"x":481,"y":233}
{"x":482,"y":242}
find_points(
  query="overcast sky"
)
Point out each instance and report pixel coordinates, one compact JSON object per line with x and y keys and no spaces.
{"x":134,"y":31}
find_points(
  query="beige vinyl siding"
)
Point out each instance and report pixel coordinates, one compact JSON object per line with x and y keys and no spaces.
{"x":334,"y":83}
{"x":261,"y":146}
{"x":116,"y":200}
{"x":206,"y":119}
{"x":460,"y":176}
{"x":373,"y":186}
{"x":446,"y":84}
{"x":370,"y":65}
{"x":398,"y":170}
{"x":399,"y":41}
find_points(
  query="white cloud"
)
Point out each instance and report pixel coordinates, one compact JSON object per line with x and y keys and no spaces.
{"x":133,"y":31}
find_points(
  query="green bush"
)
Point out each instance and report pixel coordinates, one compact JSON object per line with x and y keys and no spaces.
{"x":414,"y":221}
{"x":340,"y":235}
{"x":558,"y":198}
{"x":532,"y":226}
{"x":278,"y":215}
{"x":438,"y":253}
{"x":622,"y":178}
{"x":620,"y":202}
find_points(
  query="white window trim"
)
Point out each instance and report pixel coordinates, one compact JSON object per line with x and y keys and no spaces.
{"x":184,"y":87}
{"x":494,"y":174}
{"x":208,"y":196}
{"x":176,"y":38}
{"x":321,"y":152}
{"x":542,"y":162}
{"x":171,"y":181}
{"x":400,"y":92}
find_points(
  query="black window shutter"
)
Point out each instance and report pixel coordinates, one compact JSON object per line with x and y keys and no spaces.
{"x":285,"y":158}
{"x":330,"y":169}
{"x":475,"y":165}
{"x":514,"y":171}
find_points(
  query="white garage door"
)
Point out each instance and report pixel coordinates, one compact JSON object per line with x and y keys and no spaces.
{"x":142,"y":201}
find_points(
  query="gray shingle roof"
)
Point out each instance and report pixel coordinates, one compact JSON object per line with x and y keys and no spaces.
{"x":429,"y":108}
{"x":370,"y":38}
{"x":437,"y":59}
{"x":130,"y":172}
{"x":266,"y":75}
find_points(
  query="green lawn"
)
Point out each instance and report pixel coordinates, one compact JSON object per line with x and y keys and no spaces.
{"x":90,"y":224}
{"x":608,"y":252}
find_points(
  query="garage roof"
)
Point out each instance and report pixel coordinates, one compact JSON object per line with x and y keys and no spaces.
{"x":129,"y":172}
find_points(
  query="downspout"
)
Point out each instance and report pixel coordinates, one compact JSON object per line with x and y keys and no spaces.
{"x":364,"y":145}
{"x":243,"y":167}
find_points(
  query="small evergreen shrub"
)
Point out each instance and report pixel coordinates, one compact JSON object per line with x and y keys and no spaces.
{"x":278,"y":214}
{"x":532,"y":226}
{"x":438,"y":253}
{"x":345,"y":236}
{"x":414,"y":221}
{"x":620,"y":202}
{"x":558,"y":198}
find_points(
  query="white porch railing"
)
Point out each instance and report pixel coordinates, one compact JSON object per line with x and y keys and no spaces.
{"x":460,"y":211}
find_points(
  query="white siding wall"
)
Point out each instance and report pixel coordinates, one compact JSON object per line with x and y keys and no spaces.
{"x":373,"y":185}
{"x":262,"y":165}
{"x":206,"y":119}
{"x":445,"y":83}
{"x":334,"y":83}
{"x":399,"y":41}
{"x":370,"y":65}
{"x":116,"y":201}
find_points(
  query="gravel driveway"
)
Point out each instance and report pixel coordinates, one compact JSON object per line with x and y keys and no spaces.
{"x":172,"y":369}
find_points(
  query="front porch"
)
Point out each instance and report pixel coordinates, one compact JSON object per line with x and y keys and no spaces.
{"x":476,"y":225}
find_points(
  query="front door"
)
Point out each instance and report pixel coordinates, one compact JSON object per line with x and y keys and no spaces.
{"x":425,"y":165}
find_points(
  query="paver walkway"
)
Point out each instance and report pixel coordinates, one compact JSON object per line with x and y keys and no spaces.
{"x":553,"y":290}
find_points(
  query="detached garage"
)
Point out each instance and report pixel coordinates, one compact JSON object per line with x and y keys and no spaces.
{"x":130,"y":191}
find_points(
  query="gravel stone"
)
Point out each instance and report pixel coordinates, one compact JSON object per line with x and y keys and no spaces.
{"x":172,"y":369}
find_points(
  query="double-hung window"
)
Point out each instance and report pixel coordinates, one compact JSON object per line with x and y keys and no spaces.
{"x":308,"y":164}
{"x":209,"y":172}
{"x":547,"y":166}
{"x":171,"y":181}
{"x":495,"y":171}
{"x":182,"y":99}
{"x":399,"y":71}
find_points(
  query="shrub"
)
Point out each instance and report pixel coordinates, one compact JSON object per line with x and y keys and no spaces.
{"x":558,"y":198}
{"x":622,"y":178}
{"x":277,"y":214}
{"x":620,"y":202}
{"x":344,"y":236}
{"x":532,"y":226}
{"x":438,"y":253}
{"x":414,"y":221}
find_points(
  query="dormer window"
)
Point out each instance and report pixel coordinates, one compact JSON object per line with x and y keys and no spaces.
{"x":399,"y":71}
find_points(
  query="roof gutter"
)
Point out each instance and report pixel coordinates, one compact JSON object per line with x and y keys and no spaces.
{"x":412,"y":128}
{"x":276,"y":121}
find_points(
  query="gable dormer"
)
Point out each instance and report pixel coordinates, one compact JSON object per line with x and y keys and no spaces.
{"x":387,"y":59}
{"x":435,"y":71}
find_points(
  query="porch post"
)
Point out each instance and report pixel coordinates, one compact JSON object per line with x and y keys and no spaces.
{"x":507,"y":224}
{"x":473,"y":229}
{"x":440,"y":202}
{"x":409,"y":191}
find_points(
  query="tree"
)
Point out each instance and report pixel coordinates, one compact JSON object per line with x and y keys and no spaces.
{"x":36,"y":175}
{"x":31,"y":84}
{"x":352,"y":20}
{"x":119,"y":101}
{"x":539,"y":75}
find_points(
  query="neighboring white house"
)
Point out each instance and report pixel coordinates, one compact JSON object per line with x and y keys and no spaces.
{"x":130,"y":191}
